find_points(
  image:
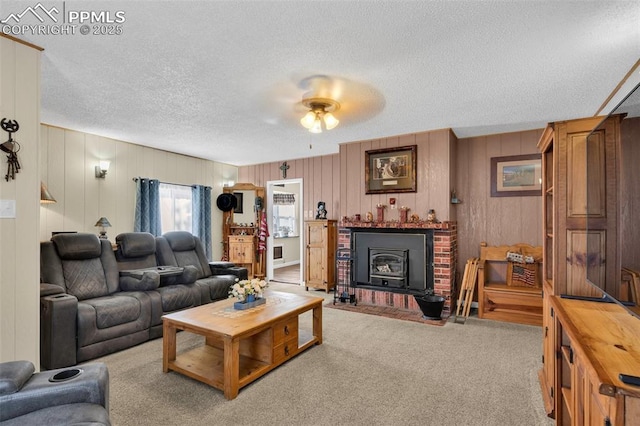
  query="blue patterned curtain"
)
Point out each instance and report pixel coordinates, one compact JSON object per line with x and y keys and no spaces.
{"x":201,"y":216}
{"x":147,"y":217}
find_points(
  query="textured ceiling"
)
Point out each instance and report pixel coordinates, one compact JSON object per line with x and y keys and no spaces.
{"x":224,"y":80}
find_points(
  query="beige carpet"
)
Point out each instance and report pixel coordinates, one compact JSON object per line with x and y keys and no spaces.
{"x":369,"y":371}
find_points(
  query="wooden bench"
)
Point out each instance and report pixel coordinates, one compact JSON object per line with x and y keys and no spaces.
{"x":498,"y":296}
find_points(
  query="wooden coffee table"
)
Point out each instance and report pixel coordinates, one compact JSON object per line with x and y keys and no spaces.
{"x":240,"y":346}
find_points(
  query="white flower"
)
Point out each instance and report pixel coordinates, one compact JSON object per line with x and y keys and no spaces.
{"x":244,"y":288}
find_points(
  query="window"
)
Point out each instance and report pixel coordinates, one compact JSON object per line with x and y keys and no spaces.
{"x":175,"y":207}
{"x":285,"y":217}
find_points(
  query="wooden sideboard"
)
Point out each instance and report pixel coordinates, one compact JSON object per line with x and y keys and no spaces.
{"x":593,"y":343}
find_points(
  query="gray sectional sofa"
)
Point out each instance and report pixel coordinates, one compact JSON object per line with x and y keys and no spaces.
{"x":95,"y":301}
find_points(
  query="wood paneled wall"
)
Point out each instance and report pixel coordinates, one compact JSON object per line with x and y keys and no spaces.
{"x":496,"y":220}
{"x":68,"y":163}
{"x":338,"y":179}
{"x":19,"y":251}
{"x":321,"y":180}
{"x":444,"y":164}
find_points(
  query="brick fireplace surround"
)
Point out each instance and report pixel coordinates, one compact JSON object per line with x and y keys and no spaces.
{"x":445,"y":249}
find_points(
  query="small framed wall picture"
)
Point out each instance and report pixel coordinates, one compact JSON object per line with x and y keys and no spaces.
{"x":516,"y":175}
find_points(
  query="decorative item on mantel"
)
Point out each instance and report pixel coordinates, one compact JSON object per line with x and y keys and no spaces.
{"x":431,"y":216}
{"x":249,"y":293}
{"x":369,"y":217}
{"x":380,"y":213}
{"x":404,"y":212}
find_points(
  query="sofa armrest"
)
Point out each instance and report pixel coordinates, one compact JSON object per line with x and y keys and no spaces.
{"x":58,"y":330}
{"x":47,"y":289}
{"x":143,"y":281}
{"x":90,"y":386}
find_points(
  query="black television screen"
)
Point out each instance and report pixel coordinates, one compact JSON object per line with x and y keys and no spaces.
{"x":626,"y":288}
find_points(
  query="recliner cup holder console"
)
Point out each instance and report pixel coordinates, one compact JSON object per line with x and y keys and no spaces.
{"x":65,"y":375}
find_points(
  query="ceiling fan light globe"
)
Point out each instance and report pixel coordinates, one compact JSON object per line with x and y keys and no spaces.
{"x":317,"y":126}
{"x":330,"y":121}
{"x":308,"y":120}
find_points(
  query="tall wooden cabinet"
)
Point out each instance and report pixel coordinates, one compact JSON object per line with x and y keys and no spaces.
{"x":580,"y":361}
{"x":321,"y":238}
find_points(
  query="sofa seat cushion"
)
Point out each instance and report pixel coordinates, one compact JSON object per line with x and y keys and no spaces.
{"x":13,"y":375}
{"x":128,"y":303}
{"x":115,"y":310}
{"x":68,"y":414}
{"x":179,"y":296}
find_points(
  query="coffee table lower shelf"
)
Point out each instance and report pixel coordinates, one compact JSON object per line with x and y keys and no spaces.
{"x":206,"y":363}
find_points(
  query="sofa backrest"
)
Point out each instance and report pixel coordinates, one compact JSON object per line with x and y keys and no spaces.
{"x":82,"y":264}
{"x":136,"y":250}
{"x":181,"y":248}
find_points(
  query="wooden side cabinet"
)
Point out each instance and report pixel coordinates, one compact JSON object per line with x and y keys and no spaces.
{"x":321,"y":237}
{"x":589,"y":360}
{"x":242,"y":251}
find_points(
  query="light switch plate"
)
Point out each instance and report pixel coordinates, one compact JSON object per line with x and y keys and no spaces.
{"x":7,"y":209}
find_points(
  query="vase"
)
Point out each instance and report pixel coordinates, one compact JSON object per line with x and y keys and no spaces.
{"x":240,"y":306}
{"x":251,"y":298}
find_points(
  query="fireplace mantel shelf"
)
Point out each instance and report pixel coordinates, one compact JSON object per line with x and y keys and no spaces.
{"x":397,"y":225}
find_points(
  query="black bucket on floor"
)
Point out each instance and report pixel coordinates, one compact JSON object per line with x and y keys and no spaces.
{"x":431,"y":306}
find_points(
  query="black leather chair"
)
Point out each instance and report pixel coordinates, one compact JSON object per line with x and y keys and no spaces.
{"x":67,"y":396}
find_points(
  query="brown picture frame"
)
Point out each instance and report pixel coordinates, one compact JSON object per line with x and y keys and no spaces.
{"x":516,"y":175}
{"x":390,"y":170}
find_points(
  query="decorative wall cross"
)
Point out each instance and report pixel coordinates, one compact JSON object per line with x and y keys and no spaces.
{"x":284,"y":169}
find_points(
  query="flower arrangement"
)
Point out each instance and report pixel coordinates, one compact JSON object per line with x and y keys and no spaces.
{"x":245,"y":288}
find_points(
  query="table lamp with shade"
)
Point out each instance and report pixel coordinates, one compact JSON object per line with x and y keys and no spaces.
{"x":103,"y":223}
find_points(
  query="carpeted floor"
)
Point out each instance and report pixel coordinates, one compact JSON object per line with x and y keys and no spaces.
{"x":370,"y":370}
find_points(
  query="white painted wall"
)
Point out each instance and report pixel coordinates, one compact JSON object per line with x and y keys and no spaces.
{"x":68,"y":163}
{"x":19,"y":249}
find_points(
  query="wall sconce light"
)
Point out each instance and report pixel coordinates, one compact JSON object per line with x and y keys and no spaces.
{"x":102,"y":169}
{"x":103,"y":223}
{"x":45,"y":195}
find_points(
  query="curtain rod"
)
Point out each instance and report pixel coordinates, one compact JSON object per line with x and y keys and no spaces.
{"x":135,"y":179}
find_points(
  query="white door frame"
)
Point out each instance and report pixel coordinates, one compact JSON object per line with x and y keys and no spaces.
{"x":270,"y":189}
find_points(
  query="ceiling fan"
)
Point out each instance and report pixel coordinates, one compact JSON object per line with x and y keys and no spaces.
{"x":319,"y":100}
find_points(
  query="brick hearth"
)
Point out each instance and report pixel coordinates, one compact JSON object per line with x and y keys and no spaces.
{"x":445,"y":248}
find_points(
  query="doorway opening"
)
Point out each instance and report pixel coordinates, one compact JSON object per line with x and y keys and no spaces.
{"x":285,"y":213}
